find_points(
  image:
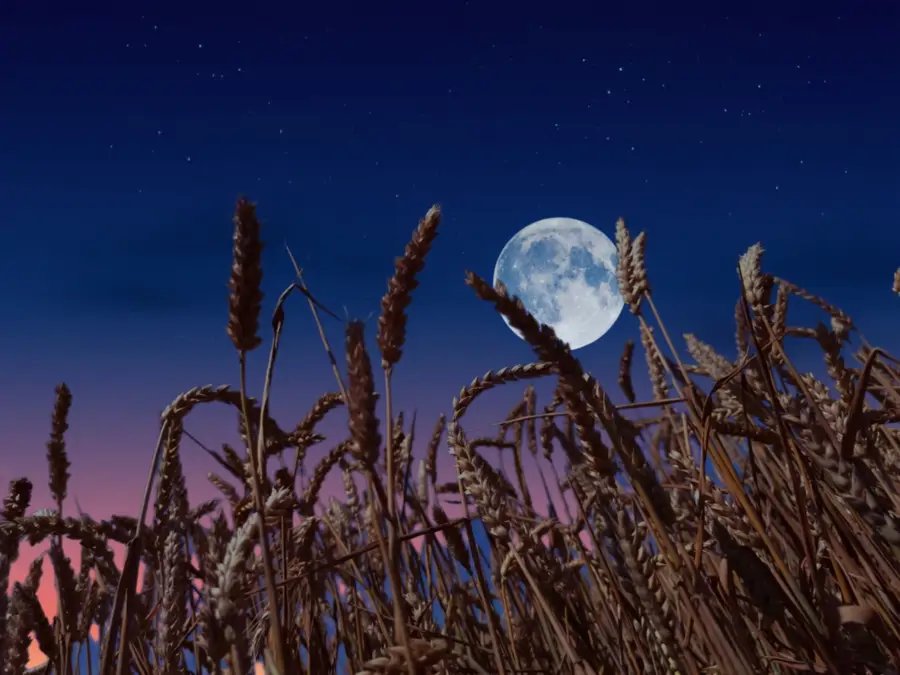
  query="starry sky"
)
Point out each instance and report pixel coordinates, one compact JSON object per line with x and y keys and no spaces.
{"x":127,"y":131}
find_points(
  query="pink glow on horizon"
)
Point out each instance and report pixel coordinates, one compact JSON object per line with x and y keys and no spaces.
{"x":115,"y":490}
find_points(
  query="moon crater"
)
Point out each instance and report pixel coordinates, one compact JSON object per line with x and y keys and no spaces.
{"x":564,"y":271}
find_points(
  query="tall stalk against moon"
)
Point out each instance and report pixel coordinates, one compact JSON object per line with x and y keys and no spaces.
{"x":564,"y":271}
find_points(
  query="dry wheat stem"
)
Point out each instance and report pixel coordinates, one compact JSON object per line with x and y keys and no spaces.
{"x":566,"y":413}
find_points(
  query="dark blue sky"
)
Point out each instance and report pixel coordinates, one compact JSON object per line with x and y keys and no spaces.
{"x":128,"y":129}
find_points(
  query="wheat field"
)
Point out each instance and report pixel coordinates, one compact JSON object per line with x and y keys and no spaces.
{"x":745,"y":522}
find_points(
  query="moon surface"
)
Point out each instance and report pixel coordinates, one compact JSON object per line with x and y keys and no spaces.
{"x":564,"y":271}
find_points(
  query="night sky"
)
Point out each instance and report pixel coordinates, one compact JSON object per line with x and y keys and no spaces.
{"x":128,"y":130}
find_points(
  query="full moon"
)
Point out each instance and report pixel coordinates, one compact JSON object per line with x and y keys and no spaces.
{"x":564,"y":272}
